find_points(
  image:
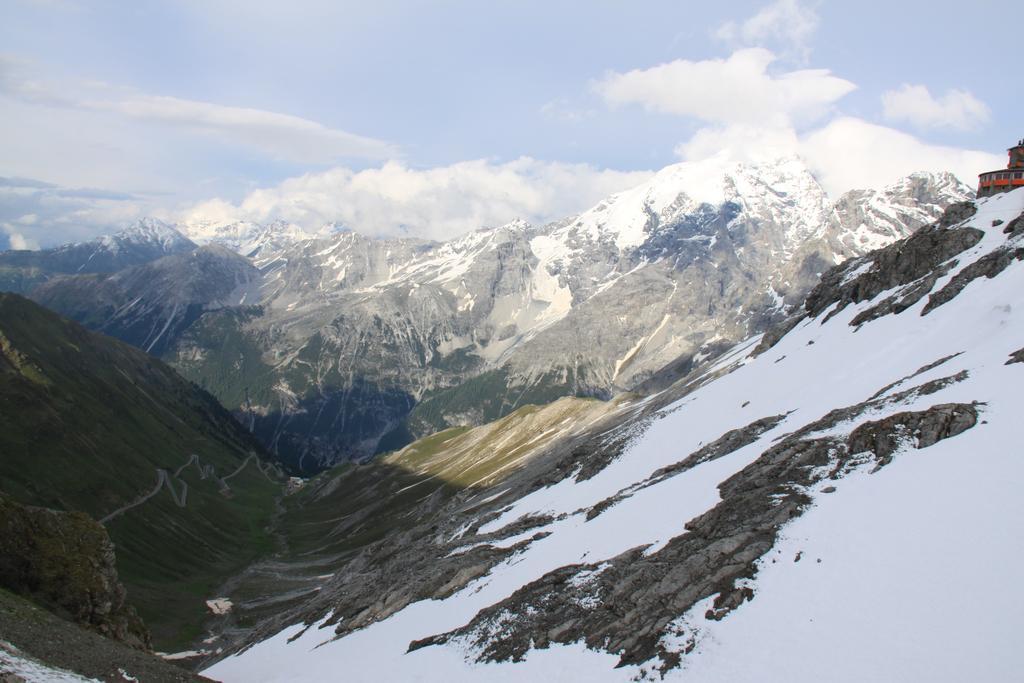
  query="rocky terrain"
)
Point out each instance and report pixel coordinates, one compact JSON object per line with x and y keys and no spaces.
{"x":344,"y":346}
{"x":151,"y":305}
{"x":65,"y":560}
{"x":38,"y":646}
{"x":815,"y":491}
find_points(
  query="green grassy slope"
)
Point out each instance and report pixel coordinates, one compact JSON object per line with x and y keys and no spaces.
{"x":86,"y":422}
{"x":350,"y":506}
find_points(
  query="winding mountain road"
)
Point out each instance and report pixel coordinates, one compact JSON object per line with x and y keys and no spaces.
{"x":163,"y":477}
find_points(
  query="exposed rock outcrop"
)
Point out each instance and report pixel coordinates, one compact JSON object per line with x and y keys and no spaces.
{"x":919,"y":261}
{"x":896,"y":265}
{"x":65,"y":561}
{"x":627,"y":604}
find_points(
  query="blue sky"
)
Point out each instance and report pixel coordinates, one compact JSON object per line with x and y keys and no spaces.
{"x":436,"y":117}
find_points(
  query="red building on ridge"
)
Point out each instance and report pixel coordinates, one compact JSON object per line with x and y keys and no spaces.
{"x":1004,"y":180}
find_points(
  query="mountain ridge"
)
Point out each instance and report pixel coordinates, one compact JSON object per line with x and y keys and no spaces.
{"x":145,"y":240}
{"x":351,"y":345}
{"x":767,"y":499}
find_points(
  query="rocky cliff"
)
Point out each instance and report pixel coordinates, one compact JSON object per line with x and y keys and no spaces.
{"x":65,"y":561}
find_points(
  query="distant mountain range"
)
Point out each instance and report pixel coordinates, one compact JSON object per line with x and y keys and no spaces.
{"x":142,"y":242}
{"x":806,"y":438}
{"x":832,"y":500}
{"x":336,"y":346}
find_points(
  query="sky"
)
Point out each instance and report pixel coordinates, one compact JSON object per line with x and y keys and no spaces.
{"x":435,"y":118}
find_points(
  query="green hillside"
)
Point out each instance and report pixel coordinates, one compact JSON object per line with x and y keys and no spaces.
{"x":92,"y":424}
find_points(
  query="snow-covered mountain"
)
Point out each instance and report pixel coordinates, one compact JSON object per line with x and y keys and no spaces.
{"x":141,"y":242}
{"x":256,"y":241}
{"x":355,"y":333}
{"x":836,"y":499}
{"x":145,"y":234}
{"x":347,"y":345}
{"x":871,"y":219}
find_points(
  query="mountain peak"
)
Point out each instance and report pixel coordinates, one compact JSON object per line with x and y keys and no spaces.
{"x":148,"y":231}
{"x":782,"y":188}
{"x":870,"y":219}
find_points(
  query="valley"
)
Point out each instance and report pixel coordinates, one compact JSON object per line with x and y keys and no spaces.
{"x":541,"y":529}
{"x":400,"y":342}
{"x":89,"y":422}
{"x":335,"y":347}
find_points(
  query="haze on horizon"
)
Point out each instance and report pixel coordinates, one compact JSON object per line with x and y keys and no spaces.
{"x":413,"y":118}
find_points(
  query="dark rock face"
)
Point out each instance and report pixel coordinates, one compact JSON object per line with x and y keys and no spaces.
{"x":727,"y":443}
{"x":884,"y":437}
{"x":65,"y":561}
{"x":1015,"y":227}
{"x":920,"y":260}
{"x":776,"y":332}
{"x":627,"y":604}
{"x":896,"y":265}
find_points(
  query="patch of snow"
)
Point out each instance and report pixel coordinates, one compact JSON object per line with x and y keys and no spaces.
{"x":184,"y":654}
{"x":23,"y":667}
{"x":219,"y":605}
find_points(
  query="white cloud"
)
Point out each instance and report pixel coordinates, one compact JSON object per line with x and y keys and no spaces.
{"x":34,"y":213}
{"x":957,"y":109}
{"x":436,"y":203}
{"x":734,"y":90}
{"x":16,"y":240}
{"x":740,"y":142}
{"x":846,"y":153}
{"x":787,"y":23}
{"x":850,"y":153}
{"x":280,"y":136}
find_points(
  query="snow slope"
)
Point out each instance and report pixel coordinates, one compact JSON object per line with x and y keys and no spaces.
{"x":22,"y":667}
{"x":918,"y":576}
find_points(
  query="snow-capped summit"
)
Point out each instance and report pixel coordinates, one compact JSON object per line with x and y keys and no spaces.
{"x":141,"y":242}
{"x":782,"y":191}
{"x":257,"y":241}
{"x":147,"y":232}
